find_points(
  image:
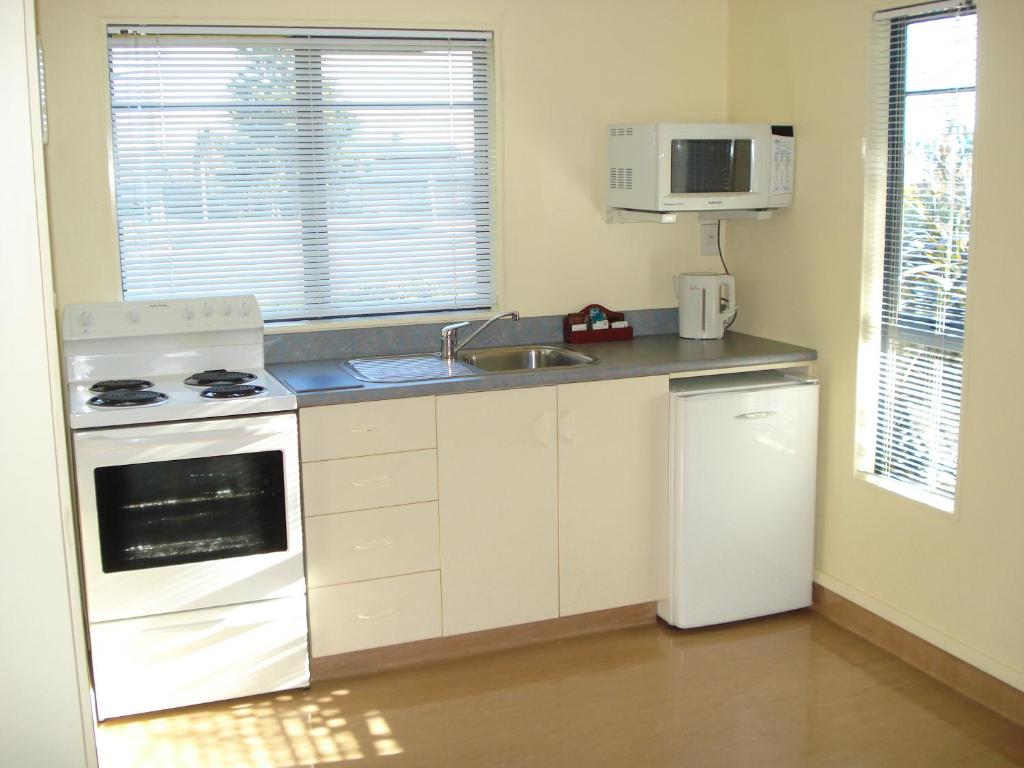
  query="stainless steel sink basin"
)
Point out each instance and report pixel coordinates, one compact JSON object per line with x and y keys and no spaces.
{"x":476,"y":362}
{"x":528,"y":358}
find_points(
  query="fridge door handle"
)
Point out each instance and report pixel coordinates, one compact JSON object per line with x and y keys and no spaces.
{"x":755,"y":415}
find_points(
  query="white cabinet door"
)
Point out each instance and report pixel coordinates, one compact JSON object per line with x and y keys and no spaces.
{"x":612,"y":493}
{"x":497,"y":485}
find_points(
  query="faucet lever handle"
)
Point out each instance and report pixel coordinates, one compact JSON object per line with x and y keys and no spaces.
{"x":449,"y":339}
{"x":450,"y":329}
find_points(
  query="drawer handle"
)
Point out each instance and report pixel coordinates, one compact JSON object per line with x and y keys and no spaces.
{"x":368,"y":428}
{"x":190,"y":627}
{"x":374,"y":616}
{"x":372,"y":482}
{"x":756,"y":415}
{"x":376,"y":544}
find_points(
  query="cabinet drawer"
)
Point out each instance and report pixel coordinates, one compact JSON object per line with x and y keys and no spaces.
{"x":371,"y":544}
{"x":366,"y":429}
{"x":343,"y":485}
{"x":368,"y":614}
{"x":191,"y":657}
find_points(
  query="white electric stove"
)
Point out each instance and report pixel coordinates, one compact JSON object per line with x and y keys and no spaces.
{"x":187,"y":472}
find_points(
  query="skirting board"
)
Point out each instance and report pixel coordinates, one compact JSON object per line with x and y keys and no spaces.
{"x":934,"y":661}
{"x":473,"y":643}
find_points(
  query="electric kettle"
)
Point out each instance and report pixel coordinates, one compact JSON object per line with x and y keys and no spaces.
{"x":707,"y":304}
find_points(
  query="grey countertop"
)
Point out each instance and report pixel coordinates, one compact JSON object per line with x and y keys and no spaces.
{"x":325,"y":382}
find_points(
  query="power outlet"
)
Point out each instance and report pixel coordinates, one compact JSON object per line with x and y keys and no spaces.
{"x":709,"y":239}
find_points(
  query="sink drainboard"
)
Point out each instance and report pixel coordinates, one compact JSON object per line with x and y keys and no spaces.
{"x":389,"y":370}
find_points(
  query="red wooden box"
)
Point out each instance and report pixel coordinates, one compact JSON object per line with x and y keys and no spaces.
{"x":587,"y":337}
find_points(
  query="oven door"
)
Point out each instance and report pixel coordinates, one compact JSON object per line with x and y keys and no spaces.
{"x":188,"y":515}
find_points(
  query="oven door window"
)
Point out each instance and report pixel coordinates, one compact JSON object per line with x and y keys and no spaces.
{"x":191,"y":510}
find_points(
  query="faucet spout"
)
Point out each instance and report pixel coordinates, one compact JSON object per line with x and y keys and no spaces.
{"x":450,"y":346}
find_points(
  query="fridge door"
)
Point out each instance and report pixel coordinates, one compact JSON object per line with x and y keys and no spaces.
{"x":743,"y":503}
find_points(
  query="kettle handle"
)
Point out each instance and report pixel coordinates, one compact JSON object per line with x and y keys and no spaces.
{"x":728,"y":314}
{"x":730,"y":294}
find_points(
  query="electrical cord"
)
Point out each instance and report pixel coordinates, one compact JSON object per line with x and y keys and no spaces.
{"x":718,"y":240}
{"x":721,"y":256}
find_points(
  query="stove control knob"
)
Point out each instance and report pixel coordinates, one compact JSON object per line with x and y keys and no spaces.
{"x":188,"y":313}
{"x":133,"y":315}
{"x":225,"y":308}
{"x":207,"y":309}
{"x":84,"y":320}
{"x":245,"y":308}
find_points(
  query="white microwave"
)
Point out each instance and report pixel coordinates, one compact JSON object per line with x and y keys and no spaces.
{"x":700,"y":166}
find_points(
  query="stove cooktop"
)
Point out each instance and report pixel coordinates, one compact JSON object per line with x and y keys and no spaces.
{"x":169,"y":398}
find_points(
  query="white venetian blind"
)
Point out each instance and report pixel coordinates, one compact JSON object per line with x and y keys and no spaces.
{"x":920,"y":160}
{"x":331,"y":173}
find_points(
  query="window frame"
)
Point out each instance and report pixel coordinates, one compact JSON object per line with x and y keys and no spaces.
{"x":326,"y":322}
{"x":888,"y":332}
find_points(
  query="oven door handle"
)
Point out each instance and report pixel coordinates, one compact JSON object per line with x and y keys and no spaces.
{"x":177,"y":438}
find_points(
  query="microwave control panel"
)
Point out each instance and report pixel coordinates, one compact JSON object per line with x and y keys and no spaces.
{"x":783,"y":152}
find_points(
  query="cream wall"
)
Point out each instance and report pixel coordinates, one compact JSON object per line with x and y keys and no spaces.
{"x":565,"y":70}
{"x":956,"y":580}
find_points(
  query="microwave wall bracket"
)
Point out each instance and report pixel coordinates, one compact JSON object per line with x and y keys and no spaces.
{"x":632,"y":216}
{"x":713,"y":216}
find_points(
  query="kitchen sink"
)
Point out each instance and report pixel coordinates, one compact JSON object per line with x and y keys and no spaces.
{"x":478,"y":362}
{"x":506,"y":359}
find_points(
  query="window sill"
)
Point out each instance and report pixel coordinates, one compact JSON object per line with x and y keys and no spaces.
{"x":352,"y":324}
{"x":911,"y":493}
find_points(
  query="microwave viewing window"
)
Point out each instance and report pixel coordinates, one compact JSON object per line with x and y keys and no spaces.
{"x":711,"y":165}
{"x":190,"y":510}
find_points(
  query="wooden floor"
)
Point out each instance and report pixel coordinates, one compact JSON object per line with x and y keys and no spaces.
{"x":794,"y":690}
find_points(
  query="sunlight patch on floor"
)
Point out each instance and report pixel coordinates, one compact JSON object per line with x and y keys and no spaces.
{"x":286,"y":730}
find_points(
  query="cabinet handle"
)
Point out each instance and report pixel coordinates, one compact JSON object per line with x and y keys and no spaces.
{"x":570,"y":427}
{"x":362,"y":430}
{"x":372,"y":482}
{"x":543,"y":429}
{"x":376,"y":544}
{"x":756,"y":415}
{"x":374,"y":616}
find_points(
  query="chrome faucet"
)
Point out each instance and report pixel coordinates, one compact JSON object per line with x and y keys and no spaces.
{"x":449,"y":334}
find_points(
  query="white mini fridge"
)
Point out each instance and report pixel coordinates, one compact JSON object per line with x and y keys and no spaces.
{"x":741,"y":530}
